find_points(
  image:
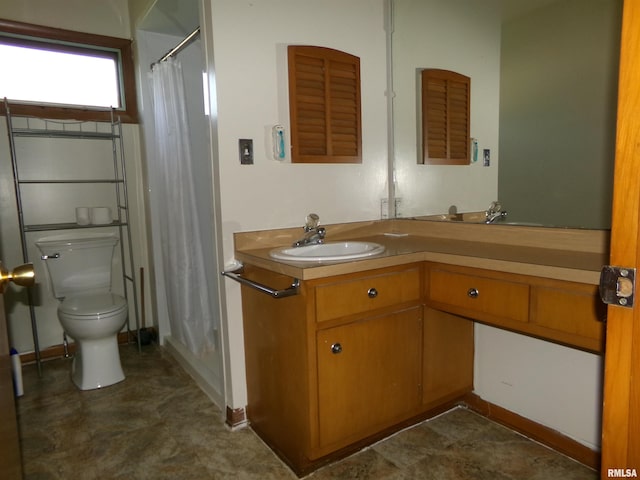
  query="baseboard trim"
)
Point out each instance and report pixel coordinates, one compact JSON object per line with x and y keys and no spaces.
{"x":536,"y":431}
{"x":236,"y":417}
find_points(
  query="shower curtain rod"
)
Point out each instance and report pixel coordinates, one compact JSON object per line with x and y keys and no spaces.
{"x":182,"y":45}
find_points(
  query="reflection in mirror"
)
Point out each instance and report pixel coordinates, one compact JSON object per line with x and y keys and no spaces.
{"x":544,"y":78}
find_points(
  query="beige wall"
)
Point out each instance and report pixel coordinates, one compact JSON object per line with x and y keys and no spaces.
{"x":138,"y":9}
{"x":101,"y":17}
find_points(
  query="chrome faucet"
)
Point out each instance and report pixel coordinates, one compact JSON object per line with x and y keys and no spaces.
{"x":494,"y":213}
{"x":313,"y":234}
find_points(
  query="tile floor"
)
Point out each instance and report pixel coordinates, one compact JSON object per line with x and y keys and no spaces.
{"x":157,"y":425}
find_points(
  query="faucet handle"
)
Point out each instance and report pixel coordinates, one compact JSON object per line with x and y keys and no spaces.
{"x":312,"y":222}
{"x":495,"y":207}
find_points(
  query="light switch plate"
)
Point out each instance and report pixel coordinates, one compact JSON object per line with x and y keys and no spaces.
{"x":245,"y":148}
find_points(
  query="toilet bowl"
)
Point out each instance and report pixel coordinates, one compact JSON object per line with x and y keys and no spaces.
{"x":93,"y":321}
{"x":80,"y":277}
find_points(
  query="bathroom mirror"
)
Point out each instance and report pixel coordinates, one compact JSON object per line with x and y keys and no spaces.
{"x":543,"y":107}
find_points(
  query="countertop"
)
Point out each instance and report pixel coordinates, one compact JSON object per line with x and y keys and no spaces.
{"x":563,"y":254}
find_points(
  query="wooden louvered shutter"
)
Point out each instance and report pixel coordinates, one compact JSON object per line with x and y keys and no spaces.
{"x":445,"y":117}
{"x":324,"y":102}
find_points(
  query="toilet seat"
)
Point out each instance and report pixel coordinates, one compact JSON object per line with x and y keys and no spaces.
{"x":99,"y":305}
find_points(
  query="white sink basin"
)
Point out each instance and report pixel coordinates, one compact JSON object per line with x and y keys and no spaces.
{"x":328,"y":251}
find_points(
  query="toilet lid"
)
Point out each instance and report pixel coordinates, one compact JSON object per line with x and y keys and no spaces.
{"x":93,"y":304}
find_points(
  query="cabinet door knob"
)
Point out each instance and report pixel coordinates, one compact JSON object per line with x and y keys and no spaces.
{"x":473,"y":293}
{"x":336,"y":348}
{"x":372,"y":292}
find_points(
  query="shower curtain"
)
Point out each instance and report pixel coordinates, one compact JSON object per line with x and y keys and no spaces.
{"x":187,"y":297}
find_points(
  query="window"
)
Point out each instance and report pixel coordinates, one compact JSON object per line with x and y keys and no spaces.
{"x":446,"y":134}
{"x":324,"y":103}
{"x":56,"y":73}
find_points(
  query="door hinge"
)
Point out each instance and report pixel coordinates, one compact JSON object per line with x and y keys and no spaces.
{"x":617,"y":285}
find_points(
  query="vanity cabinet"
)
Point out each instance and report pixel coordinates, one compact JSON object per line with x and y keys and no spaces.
{"x":565,"y":312}
{"x":349,"y":359}
{"x":371,"y":346}
{"x":353,"y":357}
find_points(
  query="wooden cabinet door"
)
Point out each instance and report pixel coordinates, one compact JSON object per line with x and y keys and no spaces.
{"x":621,"y":412}
{"x":368,"y":376}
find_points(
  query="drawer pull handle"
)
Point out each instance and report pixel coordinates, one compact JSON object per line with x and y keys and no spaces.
{"x":473,"y":293}
{"x":372,"y":292}
{"x":336,"y":348}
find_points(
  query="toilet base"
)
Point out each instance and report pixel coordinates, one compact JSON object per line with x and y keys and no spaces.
{"x":97,"y":363}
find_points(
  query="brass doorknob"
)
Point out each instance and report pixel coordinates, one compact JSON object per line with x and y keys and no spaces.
{"x":22,"y":275}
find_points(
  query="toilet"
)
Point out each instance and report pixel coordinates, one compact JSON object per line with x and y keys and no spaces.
{"x":80,"y":277}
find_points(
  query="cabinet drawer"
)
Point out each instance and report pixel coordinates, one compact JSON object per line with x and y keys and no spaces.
{"x":469,"y":294}
{"x":364,"y":294}
{"x":578,"y":312}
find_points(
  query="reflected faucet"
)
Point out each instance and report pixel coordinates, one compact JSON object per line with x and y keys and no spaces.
{"x":314,"y":234}
{"x":494,"y":213}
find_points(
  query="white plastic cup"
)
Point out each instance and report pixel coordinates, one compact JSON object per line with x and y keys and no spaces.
{"x":101,"y":216}
{"x":82,"y":216}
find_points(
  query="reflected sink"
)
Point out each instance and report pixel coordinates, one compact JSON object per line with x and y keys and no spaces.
{"x":328,"y":251}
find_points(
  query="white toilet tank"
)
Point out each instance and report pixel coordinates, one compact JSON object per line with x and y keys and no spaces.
{"x":78,"y":265}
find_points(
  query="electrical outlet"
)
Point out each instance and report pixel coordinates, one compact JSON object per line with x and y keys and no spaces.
{"x":245,"y":147}
{"x":398,"y":205}
{"x":487,"y":157}
{"x":384,"y":208}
